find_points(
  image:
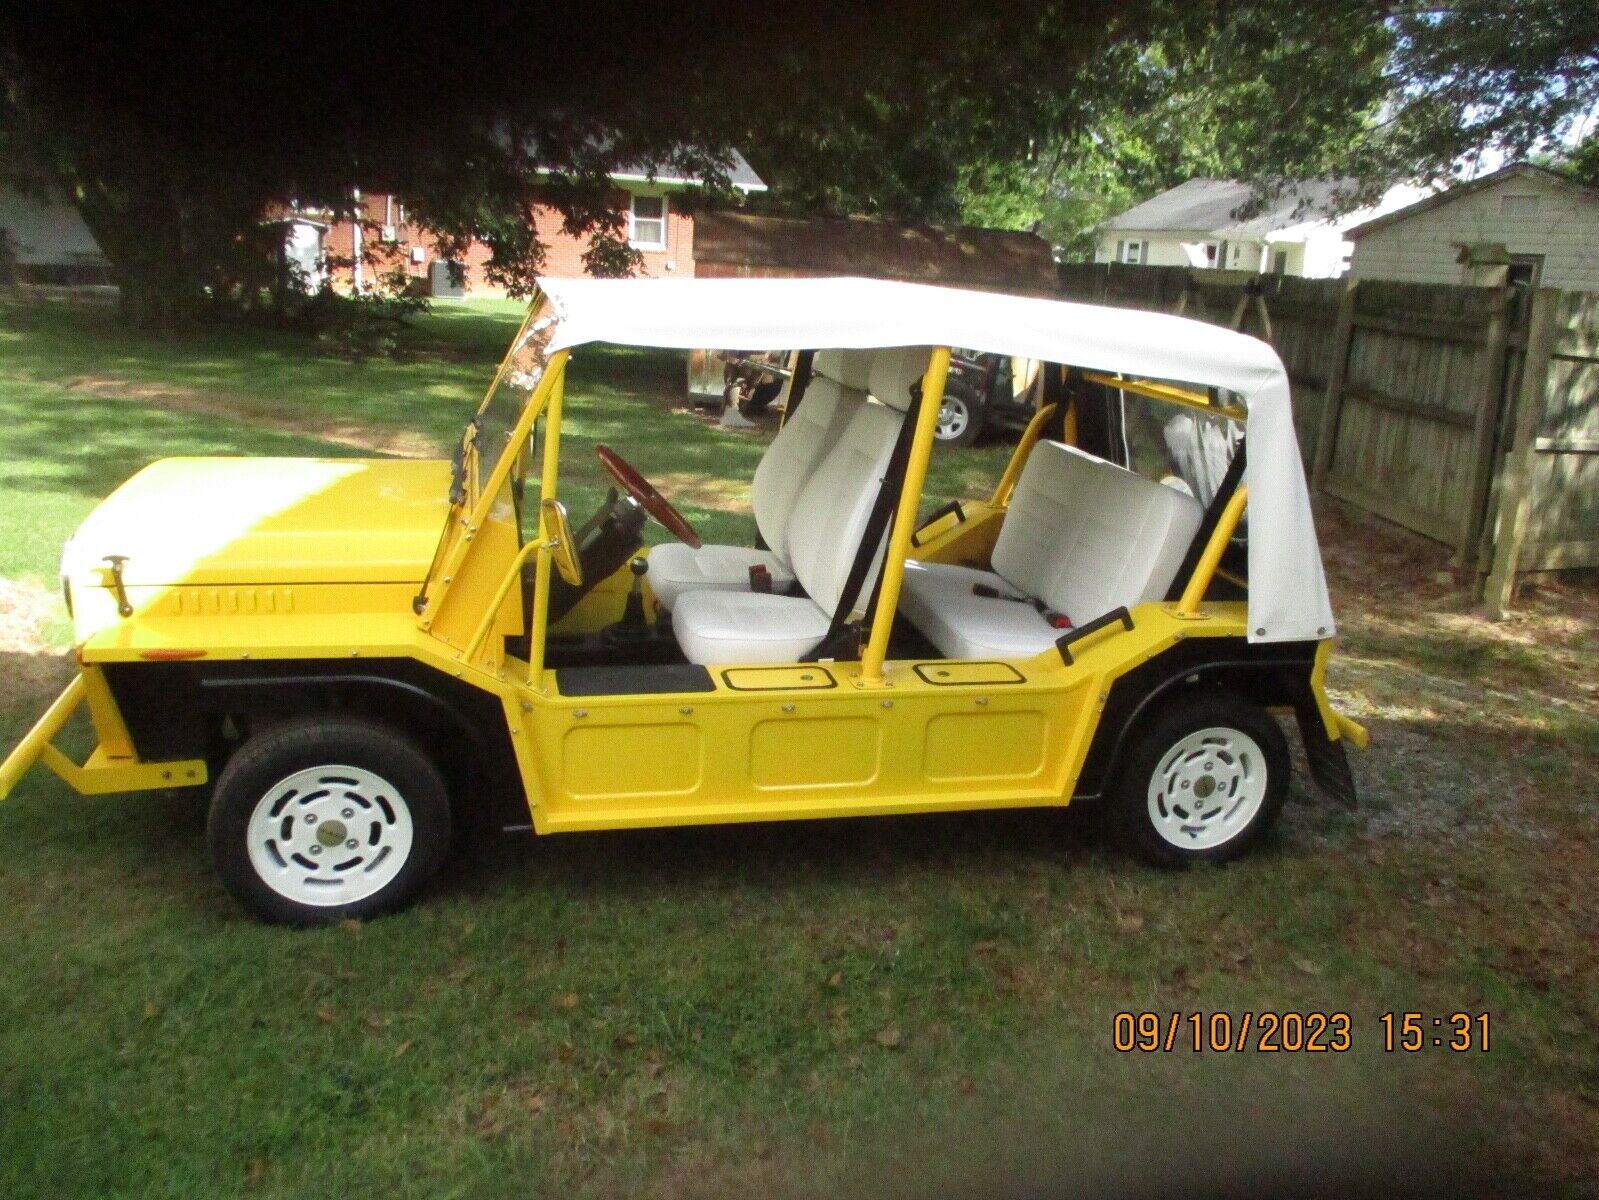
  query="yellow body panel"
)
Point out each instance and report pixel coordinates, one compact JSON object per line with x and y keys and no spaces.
{"x":980,"y":735}
{"x":277,"y":521}
{"x":961,"y":543}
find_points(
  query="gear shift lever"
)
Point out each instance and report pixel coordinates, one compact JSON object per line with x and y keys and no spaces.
{"x":633,"y":613}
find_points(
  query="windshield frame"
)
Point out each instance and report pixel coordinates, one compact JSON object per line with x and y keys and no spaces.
{"x":473,"y":483}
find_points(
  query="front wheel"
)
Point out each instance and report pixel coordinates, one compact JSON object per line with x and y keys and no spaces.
{"x":319,"y":820}
{"x":1204,"y":782}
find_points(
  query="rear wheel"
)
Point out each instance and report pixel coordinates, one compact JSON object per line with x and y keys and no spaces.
{"x":319,"y":820}
{"x":1203,"y":782}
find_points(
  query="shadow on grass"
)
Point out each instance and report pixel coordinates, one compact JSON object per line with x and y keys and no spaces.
{"x":858,"y":853}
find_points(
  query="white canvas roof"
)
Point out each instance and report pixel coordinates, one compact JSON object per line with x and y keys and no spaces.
{"x":1287,"y":588}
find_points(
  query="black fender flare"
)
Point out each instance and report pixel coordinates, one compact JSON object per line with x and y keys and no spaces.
{"x":1273,"y":675}
{"x":179,"y":707}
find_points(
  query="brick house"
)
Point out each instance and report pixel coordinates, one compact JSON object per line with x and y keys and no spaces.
{"x":656,"y":223}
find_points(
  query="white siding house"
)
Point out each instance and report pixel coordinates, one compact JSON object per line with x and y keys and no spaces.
{"x":1194,"y":225}
{"x":1522,"y":223}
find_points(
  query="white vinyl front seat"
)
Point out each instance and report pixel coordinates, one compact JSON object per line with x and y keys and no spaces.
{"x":838,"y":386}
{"x":1081,"y":536}
{"x":828,"y":522}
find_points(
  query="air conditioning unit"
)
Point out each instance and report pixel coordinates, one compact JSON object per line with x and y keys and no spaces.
{"x":391,"y":233}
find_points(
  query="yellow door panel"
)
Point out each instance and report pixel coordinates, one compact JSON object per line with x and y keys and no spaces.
{"x":603,"y":762}
{"x":978,"y":746}
{"x":936,"y":736}
{"x":811,"y":752}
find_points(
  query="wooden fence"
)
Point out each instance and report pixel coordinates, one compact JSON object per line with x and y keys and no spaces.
{"x":1470,"y":415}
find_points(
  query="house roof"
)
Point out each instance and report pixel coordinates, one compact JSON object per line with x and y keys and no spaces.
{"x":1208,"y":205}
{"x":744,"y":244}
{"x":740,"y":175}
{"x":1515,"y":170}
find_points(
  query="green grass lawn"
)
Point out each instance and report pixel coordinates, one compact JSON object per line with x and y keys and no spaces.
{"x":902,"y":1007}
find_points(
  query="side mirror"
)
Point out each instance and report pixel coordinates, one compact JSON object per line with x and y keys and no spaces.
{"x":563,"y":546}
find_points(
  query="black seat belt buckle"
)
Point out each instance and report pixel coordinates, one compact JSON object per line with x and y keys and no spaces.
{"x":760,"y":578}
{"x":993,"y":593}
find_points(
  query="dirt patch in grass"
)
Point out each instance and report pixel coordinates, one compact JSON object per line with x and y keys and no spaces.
{"x":30,"y":664}
{"x":1474,"y":723}
{"x":702,"y":491}
{"x":26,"y":609}
{"x":355,"y":434}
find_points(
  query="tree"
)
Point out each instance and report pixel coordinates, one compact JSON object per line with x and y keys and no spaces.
{"x":1374,"y":93}
{"x":1583,"y":161}
{"x":1514,"y":76}
{"x":175,"y":131}
{"x":173,"y":134}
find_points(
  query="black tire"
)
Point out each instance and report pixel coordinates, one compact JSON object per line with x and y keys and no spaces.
{"x":397,"y":784}
{"x":1245,"y":761}
{"x":960,"y":417}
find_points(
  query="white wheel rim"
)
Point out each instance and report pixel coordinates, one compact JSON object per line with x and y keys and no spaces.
{"x":952,"y":418}
{"x":330,"y":835}
{"x":1207,"y":788}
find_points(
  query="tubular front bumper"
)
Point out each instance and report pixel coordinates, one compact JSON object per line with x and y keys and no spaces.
{"x":103,"y":771}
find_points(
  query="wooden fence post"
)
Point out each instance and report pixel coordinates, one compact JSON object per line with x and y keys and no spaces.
{"x":1327,"y":431}
{"x":1490,"y":395}
{"x":1516,"y":491}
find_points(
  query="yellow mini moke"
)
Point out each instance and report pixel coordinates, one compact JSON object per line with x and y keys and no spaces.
{"x":363,"y":654}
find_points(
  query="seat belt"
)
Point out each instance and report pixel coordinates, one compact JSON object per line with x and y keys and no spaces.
{"x":842,"y":638}
{"x":1207,"y":525}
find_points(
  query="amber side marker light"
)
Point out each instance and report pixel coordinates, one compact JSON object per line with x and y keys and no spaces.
{"x":171,"y":655}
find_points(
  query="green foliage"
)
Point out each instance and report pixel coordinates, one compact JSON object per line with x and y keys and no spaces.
{"x":174,"y":136}
{"x":1513,"y":75}
{"x":1583,"y":162}
{"x":1275,"y":91}
{"x":1243,"y":93}
{"x":360,"y":326}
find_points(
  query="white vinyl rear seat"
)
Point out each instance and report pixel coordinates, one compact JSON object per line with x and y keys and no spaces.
{"x":1081,"y":535}
{"x":837,"y":388}
{"x":828,"y":522}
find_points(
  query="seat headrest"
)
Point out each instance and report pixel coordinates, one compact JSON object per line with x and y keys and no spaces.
{"x":852,"y":368}
{"x":896,"y":372}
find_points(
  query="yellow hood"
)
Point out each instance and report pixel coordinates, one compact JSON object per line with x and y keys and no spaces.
{"x":260,"y":521}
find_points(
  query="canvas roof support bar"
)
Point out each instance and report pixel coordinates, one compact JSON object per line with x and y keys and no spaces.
{"x":1018,"y":459}
{"x":1168,"y":394}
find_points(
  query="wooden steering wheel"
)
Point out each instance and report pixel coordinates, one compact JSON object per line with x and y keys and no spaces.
{"x":657,"y":505}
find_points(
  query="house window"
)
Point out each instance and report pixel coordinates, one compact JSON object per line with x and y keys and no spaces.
{"x":1518,"y":206}
{"x":1526,"y":270}
{"x":1131,"y":252}
{"x":646,"y":222}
